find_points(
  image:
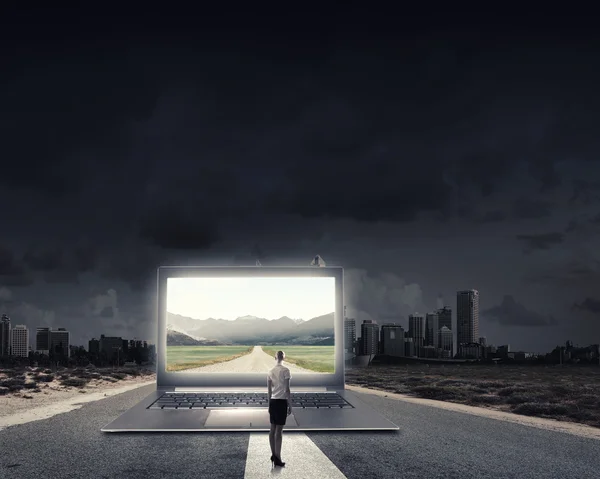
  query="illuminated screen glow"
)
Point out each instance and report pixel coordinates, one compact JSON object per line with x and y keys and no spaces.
{"x":236,"y":325}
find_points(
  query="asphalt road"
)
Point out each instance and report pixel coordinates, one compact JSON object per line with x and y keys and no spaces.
{"x":257,"y":361}
{"x":431,"y":443}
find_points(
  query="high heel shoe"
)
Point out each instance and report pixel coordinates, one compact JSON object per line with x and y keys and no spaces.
{"x":278,"y":462}
{"x":272,"y":459}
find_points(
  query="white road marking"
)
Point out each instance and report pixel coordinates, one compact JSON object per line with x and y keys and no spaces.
{"x":302,"y":457}
{"x":45,"y":412}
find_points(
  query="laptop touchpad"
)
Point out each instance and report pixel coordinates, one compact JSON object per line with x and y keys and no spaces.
{"x":243,"y":418}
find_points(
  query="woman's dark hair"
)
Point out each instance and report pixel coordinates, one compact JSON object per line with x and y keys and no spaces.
{"x":280,"y":355}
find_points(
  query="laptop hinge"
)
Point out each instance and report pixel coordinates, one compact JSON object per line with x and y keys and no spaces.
{"x":250,"y":389}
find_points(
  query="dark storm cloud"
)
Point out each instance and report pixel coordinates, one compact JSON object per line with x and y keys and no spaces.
{"x":585,"y":192}
{"x":134,"y":265}
{"x":588,"y":305}
{"x":107,"y":312}
{"x":12,"y":271}
{"x":528,"y":208}
{"x":318,"y":136}
{"x":61,"y":264}
{"x":511,"y":313}
{"x":494,"y":216}
{"x":572,"y":226}
{"x":381,"y":297}
{"x":61,"y":104}
{"x":540,"y":241}
{"x":176,"y":229}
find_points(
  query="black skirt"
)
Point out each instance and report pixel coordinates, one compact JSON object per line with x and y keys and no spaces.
{"x":278,"y":411}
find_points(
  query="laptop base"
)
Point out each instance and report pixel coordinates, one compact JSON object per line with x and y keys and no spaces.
{"x":141,"y":419}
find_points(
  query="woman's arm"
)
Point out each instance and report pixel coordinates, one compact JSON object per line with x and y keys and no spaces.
{"x":288,"y":395}
{"x":269,"y":387}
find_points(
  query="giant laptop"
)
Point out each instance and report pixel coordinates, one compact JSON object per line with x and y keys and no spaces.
{"x":219,"y":329}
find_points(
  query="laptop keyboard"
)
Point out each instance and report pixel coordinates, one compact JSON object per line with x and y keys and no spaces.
{"x":219,"y":400}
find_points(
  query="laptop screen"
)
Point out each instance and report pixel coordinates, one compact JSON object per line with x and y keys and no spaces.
{"x":237,"y":324}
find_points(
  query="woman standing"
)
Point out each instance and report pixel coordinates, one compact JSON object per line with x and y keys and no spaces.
{"x":280,"y":405}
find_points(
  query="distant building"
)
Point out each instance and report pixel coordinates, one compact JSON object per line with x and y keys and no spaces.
{"x":349,"y":334}
{"x":409,"y":347}
{"x":429,"y":352}
{"x":432,"y":326}
{"x":42,"y":340}
{"x":4,"y":336}
{"x":60,"y":341}
{"x":392,"y":340}
{"x":152,"y":353}
{"x":446,"y":342}
{"x":470,"y":351}
{"x":113,"y":346}
{"x":483,"y":341}
{"x":445,"y":317}
{"x":503,"y":350}
{"x":20,"y":341}
{"x":369,"y":339}
{"x":467,"y":316}
{"x":94,"y":347}
{"x":416,"y":330}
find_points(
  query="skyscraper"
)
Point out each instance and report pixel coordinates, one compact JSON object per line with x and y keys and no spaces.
{"x":416,"y":330}
{"x":59,"y":342}
{"x":446,"y":342}
{"x":369,"y":337}
{"x":349,"y":334}
{"x":392,"y":340}
{"x":445,"y":317}
{"x":42,"y":340}
{"x":432,"y":329}
{"x":4,"y":336}
{"x":467,"y":316}
{"x":20,"y":341}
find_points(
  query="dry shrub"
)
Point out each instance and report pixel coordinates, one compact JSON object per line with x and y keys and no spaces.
{"x":439,"y":392}
{"x":74,"y":382}
{"x":8,"y":383}
{"x":32,"y":385}
{"x":485,"y":399}
{"x":540,"y":409}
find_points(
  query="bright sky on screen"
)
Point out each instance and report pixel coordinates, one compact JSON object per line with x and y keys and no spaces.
{"x":269,"y":298}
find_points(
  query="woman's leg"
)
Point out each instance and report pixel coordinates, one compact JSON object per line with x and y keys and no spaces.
{"x":272,"y":438}
{"x":278,"y":438}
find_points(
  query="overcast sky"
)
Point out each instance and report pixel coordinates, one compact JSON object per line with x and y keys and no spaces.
{"x":267,"y":298}
{"x":425,"y":154}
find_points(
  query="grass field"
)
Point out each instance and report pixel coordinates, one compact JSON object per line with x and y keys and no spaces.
{"x":316,"y":358}
{"x":567,"y":393}
{"x":180,"y":358}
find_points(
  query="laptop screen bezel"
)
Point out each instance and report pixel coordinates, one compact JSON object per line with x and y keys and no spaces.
{"x":166,"y":379}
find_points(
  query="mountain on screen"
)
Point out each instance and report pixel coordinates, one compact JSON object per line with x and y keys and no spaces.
{"x":176,"y":338}
{"x":251,"y":329}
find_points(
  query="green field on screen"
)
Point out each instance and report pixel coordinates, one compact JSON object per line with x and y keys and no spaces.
{"x":315,"y":358}
{"x":180,"y":358}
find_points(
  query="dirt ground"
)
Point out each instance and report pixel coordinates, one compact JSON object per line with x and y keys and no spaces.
{"x":27,"y":388}
{"x":564,"y":393}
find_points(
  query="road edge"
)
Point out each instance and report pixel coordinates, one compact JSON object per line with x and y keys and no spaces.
{"x":581,"y":430}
